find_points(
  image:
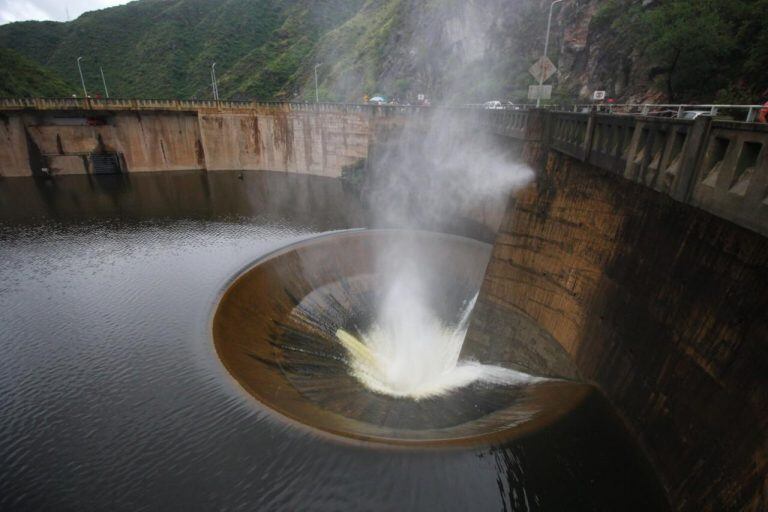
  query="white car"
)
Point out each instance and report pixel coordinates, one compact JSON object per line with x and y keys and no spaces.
{"x":694,"y":114}
{"x":493,"y":105}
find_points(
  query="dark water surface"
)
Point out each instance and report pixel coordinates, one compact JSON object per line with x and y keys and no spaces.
{"x":112,"y":397}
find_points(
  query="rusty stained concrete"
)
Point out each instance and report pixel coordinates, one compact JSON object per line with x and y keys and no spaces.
{"x":662,"y":305}
{"x":14,"y":157}
{"x":320,"y":144}
{"x":251,"y":139}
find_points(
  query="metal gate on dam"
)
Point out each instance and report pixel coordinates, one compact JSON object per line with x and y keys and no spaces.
{"x":640,"y":248}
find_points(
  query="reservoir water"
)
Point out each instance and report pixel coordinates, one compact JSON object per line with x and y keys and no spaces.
{"x":112,"y":396}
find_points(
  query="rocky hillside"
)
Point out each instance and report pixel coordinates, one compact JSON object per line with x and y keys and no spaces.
{"x":665,"y":50}
{"x":450,"y":50}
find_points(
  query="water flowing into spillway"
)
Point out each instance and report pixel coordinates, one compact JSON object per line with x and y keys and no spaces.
{"x":409,"y":352}
{"x":361,"y":334}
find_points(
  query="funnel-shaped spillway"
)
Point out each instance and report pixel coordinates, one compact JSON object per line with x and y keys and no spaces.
{"x":327,"y":335}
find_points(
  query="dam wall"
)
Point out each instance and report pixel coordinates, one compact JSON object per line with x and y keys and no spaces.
{"x":640,"y":249}
{"x":54,"y":137}
{"x":627,"y":252}
{"x":718,"y":166}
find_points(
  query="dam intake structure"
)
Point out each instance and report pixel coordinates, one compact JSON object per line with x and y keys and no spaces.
{"x":299,"y":329}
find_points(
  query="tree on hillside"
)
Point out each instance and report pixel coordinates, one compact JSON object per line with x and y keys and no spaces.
{"x":689,"y":42}
{"x":753,"y":44}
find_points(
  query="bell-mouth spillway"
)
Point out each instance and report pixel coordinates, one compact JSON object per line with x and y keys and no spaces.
{"x":276,"y":328}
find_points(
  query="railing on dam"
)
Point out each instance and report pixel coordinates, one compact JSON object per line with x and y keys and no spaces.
{"x":719,"y":166}
{"x":104,"y":104}
{"x":511,"y":123}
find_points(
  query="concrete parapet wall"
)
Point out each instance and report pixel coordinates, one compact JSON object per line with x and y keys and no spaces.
{"x":717,"y":166}
{"x":731,"y":179}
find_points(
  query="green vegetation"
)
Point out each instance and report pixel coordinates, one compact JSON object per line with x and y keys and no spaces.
{"x":22,"y":78}
{"x":278,"y":68}
{"x":354,"y":51}
{"x":703,"y":50}
{"x":164,"y":48}
{"x":696,"y":50}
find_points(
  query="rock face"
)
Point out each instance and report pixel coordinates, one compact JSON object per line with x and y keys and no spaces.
{"x":594,"y":57}
{"x":476,"y":51}
{"x":403,"y":48}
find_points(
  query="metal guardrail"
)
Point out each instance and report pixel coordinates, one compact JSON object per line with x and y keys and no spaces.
{"x":749,"y":112}
{"x":192,"y":105}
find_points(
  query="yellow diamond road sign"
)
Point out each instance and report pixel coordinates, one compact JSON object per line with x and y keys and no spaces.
{"x":542,"y":66}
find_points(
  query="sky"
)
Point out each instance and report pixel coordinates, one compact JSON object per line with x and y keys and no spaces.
{"x":20,"y":10}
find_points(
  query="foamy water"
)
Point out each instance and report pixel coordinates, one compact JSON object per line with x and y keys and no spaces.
{"x":410,"y":352}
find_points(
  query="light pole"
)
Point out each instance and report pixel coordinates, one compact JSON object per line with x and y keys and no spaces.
{"x":546,"y":50}
{"x":82,"y":80}
{"x":104,"y":81}
{"x":214,"y":85}
{"x":317,"y":95}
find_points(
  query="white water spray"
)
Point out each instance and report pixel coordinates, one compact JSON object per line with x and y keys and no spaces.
{"x":409,"y":352}
{"x":441,"y":169}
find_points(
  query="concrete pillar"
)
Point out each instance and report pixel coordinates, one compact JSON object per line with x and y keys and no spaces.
{"x":693,"y":153}
{"x":589,"y":135}
{"x":536,"y":141}
{"x":634,"y":146}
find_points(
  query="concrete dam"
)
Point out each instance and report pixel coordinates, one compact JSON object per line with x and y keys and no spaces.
{"x":636,"y":263}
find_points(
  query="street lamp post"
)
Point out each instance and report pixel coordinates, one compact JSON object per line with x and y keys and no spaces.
{"x":546,"y":50}
{"x":104,"y":81}
{"x":82,"y":80}
{"x":317,"y":95}
{"x":214,"y":85}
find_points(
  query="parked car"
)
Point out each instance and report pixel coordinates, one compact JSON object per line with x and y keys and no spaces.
{"x":493,"y":105}
{"x":694,"y":114}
